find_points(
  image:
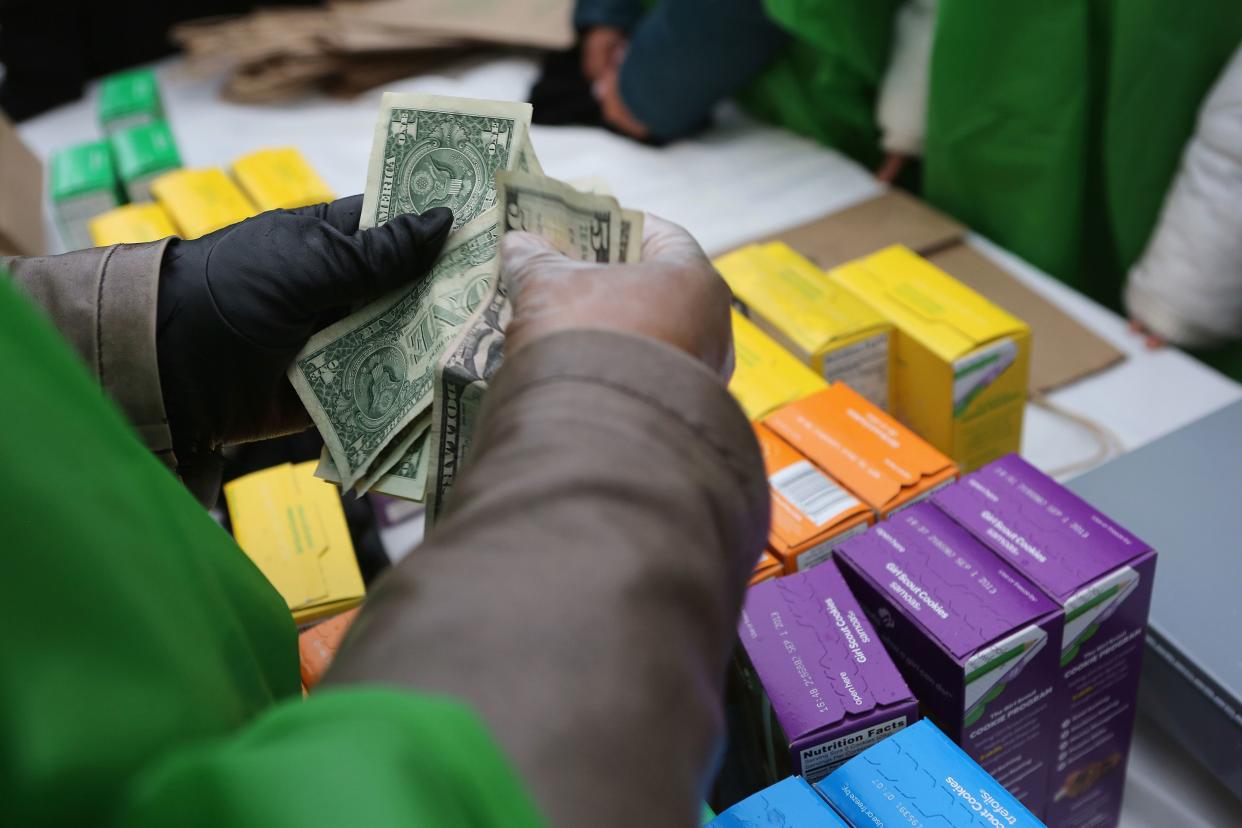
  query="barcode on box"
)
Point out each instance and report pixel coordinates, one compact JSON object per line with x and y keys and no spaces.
{"x":811,"y":492}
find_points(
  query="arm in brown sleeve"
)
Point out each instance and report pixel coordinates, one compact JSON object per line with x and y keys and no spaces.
{"x":103,"y":301}
{"x":582,"y":590}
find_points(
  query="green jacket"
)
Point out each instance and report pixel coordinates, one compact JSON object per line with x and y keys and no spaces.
{"x":1054,"y":128}
{"x":149,"y":673}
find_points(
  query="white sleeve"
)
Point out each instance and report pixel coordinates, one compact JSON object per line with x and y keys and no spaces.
{"x":902,"y":107}
{"x":1187,"y":287}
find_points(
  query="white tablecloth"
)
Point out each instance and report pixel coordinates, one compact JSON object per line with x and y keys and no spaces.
{"x":739,"y":181}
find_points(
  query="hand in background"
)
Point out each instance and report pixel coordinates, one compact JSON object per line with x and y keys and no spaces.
{"x":237,"y":305}
{"x":616,"y":114}
{"x":603,"y":49}
{"x":1151,"y":340}
{"x":891,"y":167}
{"x":674,"y":296}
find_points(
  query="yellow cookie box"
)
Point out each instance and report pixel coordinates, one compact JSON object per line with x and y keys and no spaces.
{"x":765,"y":375}
{"x":960,"y":365}
{"x":824,"y":327}
{"x":201,"y":201}
{"x":280,"y":179}
{"x":292,"y":525}
{"x":131,"y":224}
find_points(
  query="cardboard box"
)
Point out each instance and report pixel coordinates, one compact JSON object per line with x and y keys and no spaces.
{"x":21,"y":197}
{"x":83,"y":185}
{"x":143,"y":153}
{"x":918,"y":777}
{"x":1102,"y":576}
{"x":129,"y":99}
{"x":766,"y":376}
{"x":826,"y":328}
{"x":892,"y":217}
{"x":879,"y":460}
{"x":201,"y":201}
{"x":976,"y":640}
{"x":811,"y":513}
{"x":131,"y":224}
{"x":790,"y":803}
{"x":280,"y":179}
{"x":292,"y":526}
{"x":820,"y":686}
{"x":960,"y":365}
{"x":767,"y":568}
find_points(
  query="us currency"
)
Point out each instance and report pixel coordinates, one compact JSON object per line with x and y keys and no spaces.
{"x":588,"y":227}
{"x":428,"y":151}
{"x":369,"y":376}
{"x":401,"y":455}
{"x":406,"y":478}
{"x":436,"y":151}
{"x":630,"y":219}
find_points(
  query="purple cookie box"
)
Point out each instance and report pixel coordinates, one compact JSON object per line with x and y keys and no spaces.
{"x":949,"y":611}
{"x":1075,"y":554}
{"x":832,"y":688}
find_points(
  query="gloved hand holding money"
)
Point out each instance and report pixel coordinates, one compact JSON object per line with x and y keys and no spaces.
{"x":394,"y":387}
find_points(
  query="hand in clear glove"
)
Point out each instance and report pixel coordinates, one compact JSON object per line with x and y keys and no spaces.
{"x":236,"y":306}
{"x":674,"y":295}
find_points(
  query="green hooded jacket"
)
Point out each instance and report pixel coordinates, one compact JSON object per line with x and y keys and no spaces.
{"x":1054,"y":128}
{"x":149,"y":673}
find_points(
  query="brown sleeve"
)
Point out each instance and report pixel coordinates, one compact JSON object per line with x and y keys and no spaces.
{"x":103,"y":301}
{"x":582,"y":590}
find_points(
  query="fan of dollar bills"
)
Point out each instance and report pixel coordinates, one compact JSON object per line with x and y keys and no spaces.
{"x":395,"y":388}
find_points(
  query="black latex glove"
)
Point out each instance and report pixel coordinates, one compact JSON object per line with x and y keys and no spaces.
{"x":236,"y":306}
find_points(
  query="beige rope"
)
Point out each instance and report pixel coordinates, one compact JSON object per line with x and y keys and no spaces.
{"x":1108,"y":444}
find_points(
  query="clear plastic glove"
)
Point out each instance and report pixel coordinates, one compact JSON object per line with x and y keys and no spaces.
{"x":237,"y":305}
{"x":674,"y":295}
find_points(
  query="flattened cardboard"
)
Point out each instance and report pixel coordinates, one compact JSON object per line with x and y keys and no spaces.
{"x":1063,"y":350}
{"x":545,"y":24}
{"x":896,"y":217}
{"x":21,"y":197}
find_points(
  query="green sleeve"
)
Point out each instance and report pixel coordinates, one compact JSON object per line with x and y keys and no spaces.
{"x":1055,"y":128}
{"x":825,"y":81}
{"x":344,"y":757}
{"x":146,"y":659}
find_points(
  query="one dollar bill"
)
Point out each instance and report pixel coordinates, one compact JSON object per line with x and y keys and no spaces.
{"x":584,"y":226}
{"x":435,"y":151}
{"x":366,"y":378}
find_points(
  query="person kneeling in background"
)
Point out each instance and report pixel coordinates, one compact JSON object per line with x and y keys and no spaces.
{"x":657,"y":76}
